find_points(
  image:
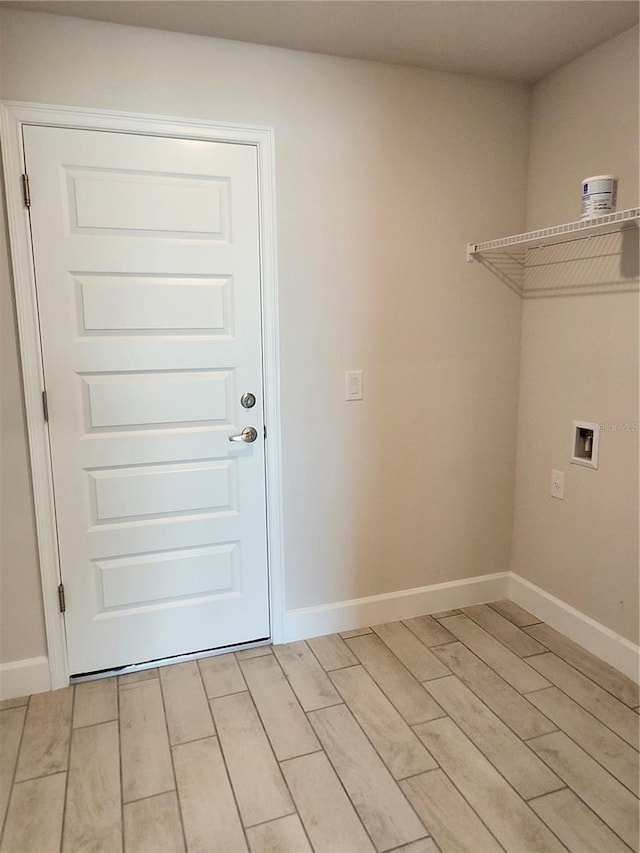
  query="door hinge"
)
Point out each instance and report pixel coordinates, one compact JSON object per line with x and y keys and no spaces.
{"x":265,"y":432}
{"x":26,"y":193}
{"x":61,"y":598}
{"x":45,"y":406}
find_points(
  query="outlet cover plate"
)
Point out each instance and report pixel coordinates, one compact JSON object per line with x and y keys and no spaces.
{"x":557,"y":484}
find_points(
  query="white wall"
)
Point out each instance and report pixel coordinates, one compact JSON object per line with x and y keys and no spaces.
{"x":383,"y":174}
{"x":579,"y":355}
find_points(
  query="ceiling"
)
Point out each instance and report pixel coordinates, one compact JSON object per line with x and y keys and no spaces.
{"x":509,"y":39}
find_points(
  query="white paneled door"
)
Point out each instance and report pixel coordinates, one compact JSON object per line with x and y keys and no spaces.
{"x":147,"y":266}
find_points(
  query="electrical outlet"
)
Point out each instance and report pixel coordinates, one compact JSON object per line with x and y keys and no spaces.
{"x":557,"y":484}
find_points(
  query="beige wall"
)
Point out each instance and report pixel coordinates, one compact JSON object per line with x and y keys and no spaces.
{"x":383,"y":175}
{"x":579,"y":355}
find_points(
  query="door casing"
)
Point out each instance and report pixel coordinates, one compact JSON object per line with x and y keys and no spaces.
{"x":13,"y":116}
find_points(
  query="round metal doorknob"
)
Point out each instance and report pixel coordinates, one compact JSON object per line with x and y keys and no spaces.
{"x":248,"y":434}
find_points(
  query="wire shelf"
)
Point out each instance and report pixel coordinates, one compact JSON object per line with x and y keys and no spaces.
{"x":507,"y":258}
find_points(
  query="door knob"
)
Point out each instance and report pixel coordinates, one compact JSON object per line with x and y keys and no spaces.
{"x":248,"y":434}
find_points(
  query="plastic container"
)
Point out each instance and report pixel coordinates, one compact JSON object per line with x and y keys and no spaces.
{"x":599,"y":196}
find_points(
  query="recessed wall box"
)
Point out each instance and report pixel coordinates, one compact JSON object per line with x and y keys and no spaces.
{"x":585,"y":442}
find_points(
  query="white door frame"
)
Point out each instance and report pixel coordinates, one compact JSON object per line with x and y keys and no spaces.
{"x":13,"y":116}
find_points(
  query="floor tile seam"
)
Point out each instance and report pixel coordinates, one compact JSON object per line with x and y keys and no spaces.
{"x":413,"y":675}
{"x":322,"y":707}
{"x":589,"y":808}
{"x":300,"y":755}
{"x":338,"y":668}
{"x":495,"y":713}
{"x":375,"y":680}
{"x":435,"y":645}
{"x":406,"y":843}
{"x":273,"y":819}
{"x":223,"y":695}
{"x":498,"y":771}
{"x":497,"y":674}
{"x":560,"y":787}
{"x":390,"y":650}
{"x":524,"y":694}
{"x":565,"y":787}
{"x":521,"y":659}
{"x":366,"y":630}
{"x":426,"y":645}
{"x":586,"y":711}
{"x":528,"y":625}
{"x":40,"y":776}
{"x":93,"y":725}
{"x":173,"y":769}
{"x":515,"y":627}
{"x":206,"y":699}
{"x":125,"y":684}
{"x":228,"y":775}
{"x":614,"y":779}
{"x":526,"y":802}
{"x":18,"y":705}
{"x":402,"y":847}
{"x":150,"y":797}
{"x":63,"y":823}
{"x":437,"y":678}
{"x":580,"y":705}
{"x":292,"y":798}
{"x":325,"y":671}
{"x":498,"y":717}
{"x":268,"y":646}
{"x":342,"y":785}
{"x":310,"y":647}
{"x":384,"y":764}
{"x":346,"y":704}
{"x":34,"y":779}
{"x":173,"y":746}
{"x":263,"y":724}
{"x":419,"y":773}
{"x":70,"y":730}
{"x":273,"y":755}
{"x":15,"y":769}
{"x":464,"y":798}
{"x":122,"y":841}
{"x":587,"y":753}
{"x":232,"y":693}
{"x":361,"y":727}
{"x":580,"y":670}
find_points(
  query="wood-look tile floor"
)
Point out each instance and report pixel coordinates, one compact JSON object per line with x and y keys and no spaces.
{"x":474,"y":730}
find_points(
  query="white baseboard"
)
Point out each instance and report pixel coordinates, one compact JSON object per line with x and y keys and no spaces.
{"x":591,"y":635}
{"x":22,"y":677}
{"x":359,"y":612}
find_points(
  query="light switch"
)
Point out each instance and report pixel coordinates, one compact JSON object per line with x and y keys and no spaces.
{"x":353,"y":385}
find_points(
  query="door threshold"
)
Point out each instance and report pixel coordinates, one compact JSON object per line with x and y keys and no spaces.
{"x":152,"y":664}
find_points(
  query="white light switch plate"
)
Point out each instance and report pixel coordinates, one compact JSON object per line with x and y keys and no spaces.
{"x":353,"y":385}
{"x":557,"y":484}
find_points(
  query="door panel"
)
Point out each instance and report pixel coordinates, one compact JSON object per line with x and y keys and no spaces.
{"x":146,"y":254}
